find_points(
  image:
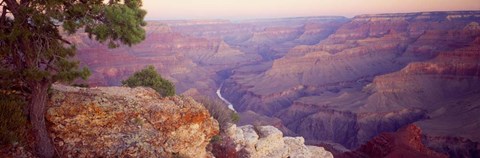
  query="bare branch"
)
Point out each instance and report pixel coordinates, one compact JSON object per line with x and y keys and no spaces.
{"x":25,"y":2}
{"x":65,"y":41}
{"x":12,"y":6}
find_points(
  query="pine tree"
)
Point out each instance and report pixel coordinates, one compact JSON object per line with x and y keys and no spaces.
{"x":34,"y":54}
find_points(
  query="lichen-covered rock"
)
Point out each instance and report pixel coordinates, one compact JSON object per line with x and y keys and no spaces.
{"x":127,"y":122}
{"x":249,"y":136}
{"x":268,"y":141}
{"x":297,"y":148}
{"x":319,"y":152}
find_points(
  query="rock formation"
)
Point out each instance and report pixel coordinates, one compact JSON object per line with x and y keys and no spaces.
{"x":268,"y":141}
{"x":126,"y":122}
{"x":406,"y":142}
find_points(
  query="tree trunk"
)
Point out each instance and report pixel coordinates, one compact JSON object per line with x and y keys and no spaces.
{"x":43,"y":144}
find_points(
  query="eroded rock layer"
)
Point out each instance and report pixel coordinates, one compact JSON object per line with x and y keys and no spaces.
{"x":198,"y":55}
{"x":406,"y":142}
{"x":376,"y":73}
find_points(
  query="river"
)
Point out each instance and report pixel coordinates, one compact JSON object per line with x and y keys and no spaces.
{"x":219,"y":94}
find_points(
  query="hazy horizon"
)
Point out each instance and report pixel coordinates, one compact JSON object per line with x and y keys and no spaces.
{"x":250,"y":9}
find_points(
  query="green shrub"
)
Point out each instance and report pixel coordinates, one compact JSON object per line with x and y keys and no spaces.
{"x":235,"y":117}
{"x":149,"y":77}
{"x":12,"y":119}
{"x":215,"y":138}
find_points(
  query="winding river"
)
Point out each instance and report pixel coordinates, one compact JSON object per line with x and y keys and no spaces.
{"x":219,"y":94}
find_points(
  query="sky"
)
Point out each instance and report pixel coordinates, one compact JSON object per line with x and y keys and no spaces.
{"x":252,"y":9}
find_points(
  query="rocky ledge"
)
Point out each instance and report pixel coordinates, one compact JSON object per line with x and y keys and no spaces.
{"x":138,"y":122}
{"x":127,"y":122}
{"x":268,"y":141}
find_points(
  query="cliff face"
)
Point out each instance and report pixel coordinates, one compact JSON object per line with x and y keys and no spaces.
{"x":406,"y":142}
{"x":376,"y":73}
{"x":356,"y":52}
{"x":190,"y":62}
{"x":127,"y":122}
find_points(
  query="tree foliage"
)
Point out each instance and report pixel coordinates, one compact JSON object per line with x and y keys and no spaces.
{"x":31,"y":44}
{"x":149,"y":77}
{"x":34,"y":54}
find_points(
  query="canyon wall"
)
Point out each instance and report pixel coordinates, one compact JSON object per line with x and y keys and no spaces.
{"x":335,"y":81}
{"x":376,"y":73}
{"x":198,"y":55}
{"x":406,"y":142}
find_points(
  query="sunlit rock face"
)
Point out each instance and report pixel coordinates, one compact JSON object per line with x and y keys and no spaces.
{"x":127,"y":122}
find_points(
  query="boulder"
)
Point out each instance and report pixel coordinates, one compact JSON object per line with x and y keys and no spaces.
{"x":268,"y":141}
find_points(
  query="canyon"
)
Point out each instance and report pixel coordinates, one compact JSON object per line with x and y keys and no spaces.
{"x":336,"y":81}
